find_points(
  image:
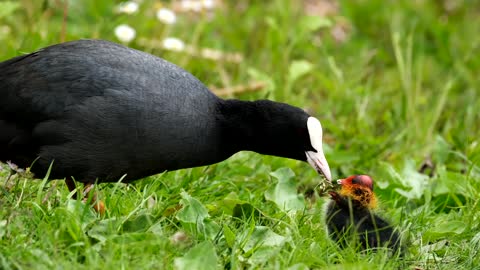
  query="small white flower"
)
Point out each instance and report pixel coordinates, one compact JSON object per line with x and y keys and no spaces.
{"x":192,"y":5}
{"x":173,"y":44}
{"x":186,"y":4}
{"x":166,"y":16}
{"x":128,"y":7}
{"x":211,"y":54}
{"x":151,"y":203}
{"x":208,"y":4}
{"x":179,"y":238}
{"x":125,"y":33}
{"x":5,"y":30}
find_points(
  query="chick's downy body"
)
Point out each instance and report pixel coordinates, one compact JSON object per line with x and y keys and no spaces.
{"x":350,"y":217}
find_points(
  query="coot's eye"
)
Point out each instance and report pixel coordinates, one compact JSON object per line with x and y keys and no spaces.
{"x":355,"y":180}
{"x":303,"y":134}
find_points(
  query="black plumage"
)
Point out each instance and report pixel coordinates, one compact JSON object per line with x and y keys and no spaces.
{"x":99,"y":110}
{"x":351,"y":221}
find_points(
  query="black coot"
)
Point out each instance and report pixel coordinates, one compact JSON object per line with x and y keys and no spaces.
{"x":100,"y":110}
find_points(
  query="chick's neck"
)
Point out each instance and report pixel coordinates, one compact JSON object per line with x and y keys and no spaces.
{"x":361,"y":197}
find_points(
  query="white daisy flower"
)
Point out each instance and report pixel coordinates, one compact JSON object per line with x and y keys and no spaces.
{"x":208,"y":4}
{"x":4,"y":30}
{"x":173,"y":44}
{"x":166,"y":16}
{"x":192,"y":5}
{"x":211,"y":54}
{"x":179,"y":238}
{"x":128,"y":7}
{"x":125,"y":33}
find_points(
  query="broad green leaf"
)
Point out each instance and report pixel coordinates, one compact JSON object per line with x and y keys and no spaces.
{"x":140,"y":223}
{"x":444,"y":225}
{"x":202,"y":256}
{"x":410,"y":183}
{"x":298,"y":69}
{"x":193,"y":211}
{"x":157,"y":229}
{"x":414,"y":180}
{"x":81,"y":210}
{"x":195,"y":218}
{"x":262,"y":244}
{"x":227,"y":204}
{"x":284,"y":193}
{"x":263,"y":236}
{"x":103,"y":228}
{"x":208,"y":229}
{"x":450,"y":182}
{"x":449,"y":227}
{"x":262,"y":254}
{"x":283,"y":174}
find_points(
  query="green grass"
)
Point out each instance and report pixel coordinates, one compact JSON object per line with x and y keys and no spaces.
{"x":401,"y":89}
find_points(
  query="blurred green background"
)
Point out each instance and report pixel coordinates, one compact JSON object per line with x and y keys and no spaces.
{"x":394,"y":83}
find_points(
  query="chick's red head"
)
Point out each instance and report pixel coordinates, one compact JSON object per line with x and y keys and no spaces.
{"x":358,"y":188}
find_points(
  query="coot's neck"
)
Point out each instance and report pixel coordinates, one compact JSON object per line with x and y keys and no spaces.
{"x":240,"y":122}
{"x":262,"y":126}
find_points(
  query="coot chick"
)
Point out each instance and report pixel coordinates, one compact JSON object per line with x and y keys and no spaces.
{"x":350,"y":216}
{"x":98,"y":111}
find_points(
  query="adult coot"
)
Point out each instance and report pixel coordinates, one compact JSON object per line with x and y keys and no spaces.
{"x":99,"y":111}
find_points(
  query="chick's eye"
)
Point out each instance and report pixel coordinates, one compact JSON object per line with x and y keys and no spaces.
{"x":355,"y":181}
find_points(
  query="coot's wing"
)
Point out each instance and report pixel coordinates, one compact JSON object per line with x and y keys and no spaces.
{"x":40,"y":85}
{"x":43,"y":84}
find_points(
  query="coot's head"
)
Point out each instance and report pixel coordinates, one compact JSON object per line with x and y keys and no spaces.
{"x":291,"y":132}
{"x":274,"y":128}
